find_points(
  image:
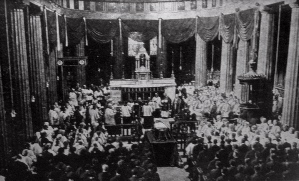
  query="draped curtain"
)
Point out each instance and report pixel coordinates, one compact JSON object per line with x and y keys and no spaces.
{"x":208,"y":28}
{"x":102,"y":31}
{"x":245,"y":24}
{"x":75,"y":30}
{"x":140,"y":30}
{"x":178,"y":30}
{"x":61,"y":22}
{"x":227,"y":27}
{"x":52,"y":34}
{"x":175,"y":31}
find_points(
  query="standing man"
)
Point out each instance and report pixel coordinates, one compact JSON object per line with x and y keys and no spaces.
{"x":176,"y":105}
{"x":147,"y":115}
{"x":166,"y":106}
{"x":109,"y":115}
{"x":126,"y":113}
{"x":137,"y":108}
{"x":157,"y":103}
{"x":53,"y":116}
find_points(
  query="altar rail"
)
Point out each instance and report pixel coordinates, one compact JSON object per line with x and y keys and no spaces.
{"x":121,"y":130}
{"x":143,"y":93}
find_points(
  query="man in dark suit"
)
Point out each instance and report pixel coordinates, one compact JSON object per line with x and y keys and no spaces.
{"x":134,"y":175}
{"x":257,"y":176}
{"x":240,"y":176}
{"x":215,"y":173}
{"x":118,"y":176}
{"x":104,"y":175}
{"x":243,"y":149}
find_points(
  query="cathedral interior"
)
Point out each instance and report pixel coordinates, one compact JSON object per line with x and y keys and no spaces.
{"x":137,"y":48}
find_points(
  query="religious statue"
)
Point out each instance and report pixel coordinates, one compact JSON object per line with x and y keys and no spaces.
{"x":142,"y":60}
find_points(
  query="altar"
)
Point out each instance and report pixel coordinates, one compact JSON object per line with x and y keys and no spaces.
{"x":142,"y":85}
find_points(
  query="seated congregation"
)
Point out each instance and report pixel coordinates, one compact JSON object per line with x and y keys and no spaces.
{"x":76,"y":143}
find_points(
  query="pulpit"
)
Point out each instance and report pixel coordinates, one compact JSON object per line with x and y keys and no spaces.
{"x":251,"y":92}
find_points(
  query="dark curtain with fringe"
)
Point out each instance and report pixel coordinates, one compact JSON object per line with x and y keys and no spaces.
{"x":208,"y":28}
{"x":178,"y":30}
{"x":52,"y":31}
{"x":75,"y":30}
{"x":61,"y":21}
{"x":245,"y":24}
{"x":140,"y":30}
{"x":227,"y":27}
{"x":102,"y":31}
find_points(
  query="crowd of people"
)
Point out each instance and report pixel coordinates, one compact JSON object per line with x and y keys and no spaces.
{"x":75,"y":145}
{"x":227,"y":147}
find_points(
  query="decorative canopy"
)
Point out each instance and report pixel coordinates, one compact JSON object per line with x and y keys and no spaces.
{"x":140,"y":30}
{"x":229,"y":27}
{"x":101,"y":31}
{"x":179,"y":30}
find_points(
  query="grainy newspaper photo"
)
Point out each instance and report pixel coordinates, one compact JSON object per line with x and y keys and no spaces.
{"x":149,"y":90}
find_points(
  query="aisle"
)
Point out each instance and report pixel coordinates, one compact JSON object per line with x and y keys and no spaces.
{"x":172,"y":174}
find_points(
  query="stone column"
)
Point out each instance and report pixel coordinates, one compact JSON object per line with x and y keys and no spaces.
{"x":161,"y":61}
{"x":5,"y":76}
{"x":290,"y":113}
{"x":200,"y":62}
{"x":265,"y":58}
{"x":37,"y":71}
{"x":241,"y":65}
{"x":23,"y":124}
{"x":226,"y":71}
{"x":264,"y":65}
{"x":118,"y":58}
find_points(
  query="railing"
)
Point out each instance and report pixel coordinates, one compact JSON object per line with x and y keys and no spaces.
{"x":181,"y":130}
{"x":121,"y":130}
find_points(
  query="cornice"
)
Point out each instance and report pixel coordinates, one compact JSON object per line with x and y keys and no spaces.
{"x":228,"y":8}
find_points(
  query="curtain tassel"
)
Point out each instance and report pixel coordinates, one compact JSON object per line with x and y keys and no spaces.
{"x":85,"y":30}
{"x":160,"y":33}
{"x":66,"y":35}
{"x":57,"y":32}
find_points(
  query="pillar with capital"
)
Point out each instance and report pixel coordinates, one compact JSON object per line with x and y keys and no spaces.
{"x":290,"y":112}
